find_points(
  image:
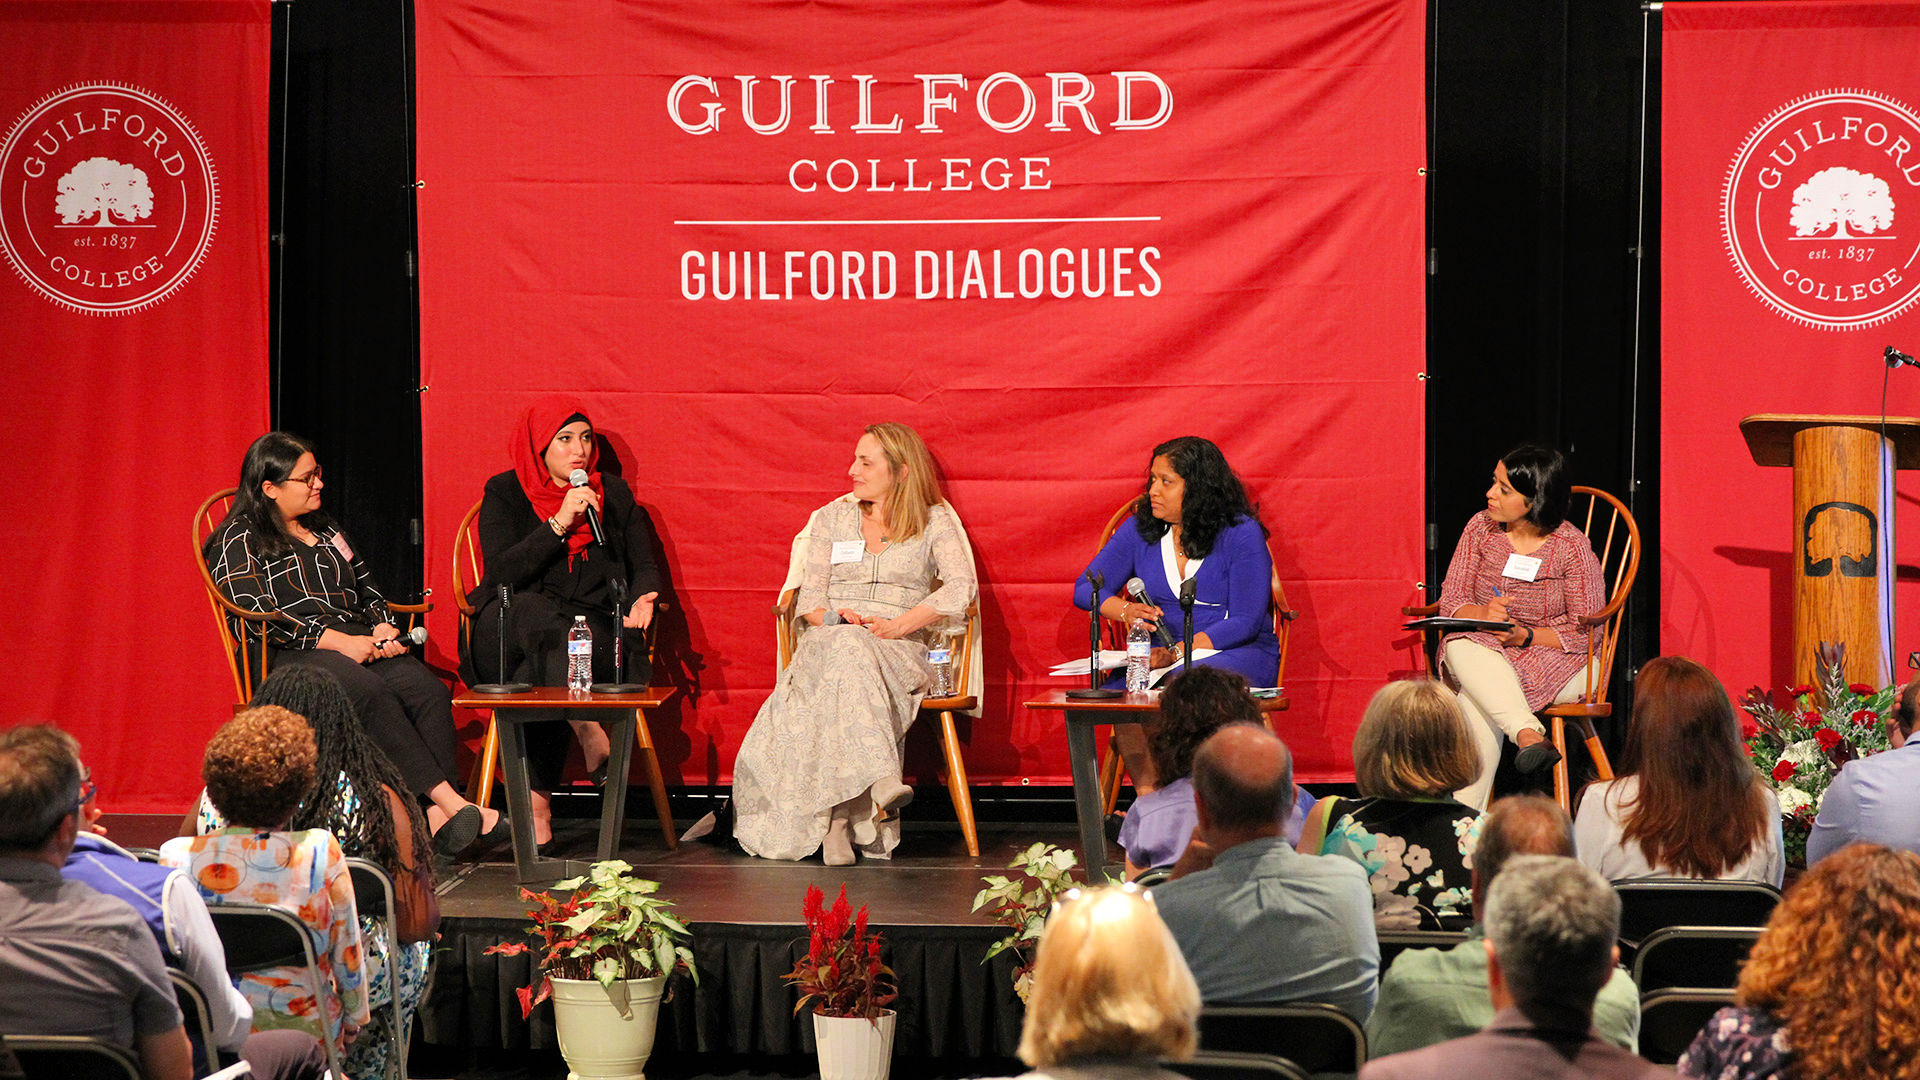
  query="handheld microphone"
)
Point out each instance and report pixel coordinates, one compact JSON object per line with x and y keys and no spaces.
{"x":1137,"y":592}
{"x":1896,"y":358}
{"x":415,"y":636}
{"x":578,"y":478}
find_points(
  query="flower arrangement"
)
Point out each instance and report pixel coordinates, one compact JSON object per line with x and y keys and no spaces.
{"x":842,"y":974}
{"x":1800,"y":748}
{"x":617,"y":929}
{"x":1023,"y":910}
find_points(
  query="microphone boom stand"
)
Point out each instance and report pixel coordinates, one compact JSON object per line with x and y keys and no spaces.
{"x":504,"y":686}
{"x":1093,"y":691}
{"x":1186,"y":625}
{"x":619,"y":685}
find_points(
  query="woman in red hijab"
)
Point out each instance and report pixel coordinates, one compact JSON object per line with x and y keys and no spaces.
{"x":535,"y":538}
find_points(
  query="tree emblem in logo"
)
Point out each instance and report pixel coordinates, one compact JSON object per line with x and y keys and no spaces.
{"x":105,"y":189}
{"x":108,"y":199}
{"x":1809,"y":206}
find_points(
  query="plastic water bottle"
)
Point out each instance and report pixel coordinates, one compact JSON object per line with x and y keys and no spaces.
{"x":940,"y":656}
{"x":579,"y":655}
{"x":1139,"y":656}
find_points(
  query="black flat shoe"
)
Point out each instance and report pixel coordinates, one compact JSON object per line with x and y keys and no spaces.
{"x":1539,"y":756}
{"x":501,"y":832}
{"x":1111,"y":825}
{"x":460,"y":831}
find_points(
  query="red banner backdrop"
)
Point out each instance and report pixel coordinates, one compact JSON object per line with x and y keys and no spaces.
{"x":1790,"y":215}
{"x":133,"y":220}
{"x":1047,"y":234}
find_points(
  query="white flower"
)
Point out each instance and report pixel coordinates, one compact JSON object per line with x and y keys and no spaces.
{"x":1793,"y":800}
{"x":1802,"y":752}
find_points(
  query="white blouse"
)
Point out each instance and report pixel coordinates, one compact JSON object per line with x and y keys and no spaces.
{"x":1598,"y":842}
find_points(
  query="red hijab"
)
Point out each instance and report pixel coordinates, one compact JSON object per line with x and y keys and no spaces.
{"x":528,"y":445}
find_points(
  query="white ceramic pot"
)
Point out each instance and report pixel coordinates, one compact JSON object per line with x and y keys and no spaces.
{"x":854,"y":1048}
{"x":606,"y":1033}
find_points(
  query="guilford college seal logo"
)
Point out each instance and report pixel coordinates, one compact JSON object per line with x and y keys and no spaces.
{"x":107,"y":198}
{"x":1821,"y":210}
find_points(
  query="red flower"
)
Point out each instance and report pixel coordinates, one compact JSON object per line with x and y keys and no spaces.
{"x":1800,"y":691}
{"x":1810,"y":718}
{"x":1828,"y":738}
{"x":810,"y":908}
{"x":1865,"y":717}
{"x":1783,"y":771}
{"x":1861,"y":688}
{"x":860,"y":923}
{"x":1748,"y":726}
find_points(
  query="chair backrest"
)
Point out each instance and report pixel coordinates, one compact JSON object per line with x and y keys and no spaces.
{"x":1646,"y":906}
{"x":1283,"y":615}
{"x":1314,"y":1036}
{"x":256,"y":936}
{"x":372,"y":887}
{"x":1694,"y":957}
{"x":197,"y":1016}
{"x":468,"y":568}
{"x":1670,"y":1019}
{"x":1221,"y":1065}
{"x":68,"y":1057}
{"x":242,"y":663}
{"x":1395,"y":942}
{"x":373,"y":895}
{"x":1615,"y":536}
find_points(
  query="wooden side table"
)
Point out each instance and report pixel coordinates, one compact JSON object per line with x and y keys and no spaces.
{"x":629,"y":724}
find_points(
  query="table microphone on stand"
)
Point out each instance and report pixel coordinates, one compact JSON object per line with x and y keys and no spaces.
{"x":506,"y":601}
{"x":1186,"y":623}
{"x":1093,"y":691}
{"x":619,"y":685}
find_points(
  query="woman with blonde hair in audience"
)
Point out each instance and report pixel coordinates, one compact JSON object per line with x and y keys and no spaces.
{"x":259,"y":768}
{"x":1413,"y":837}
{"x":1112,"y":996}
{"x":1688,"y":802}
{"x":1830,"y":989}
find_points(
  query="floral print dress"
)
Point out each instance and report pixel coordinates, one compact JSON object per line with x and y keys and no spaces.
{"x":1739,"y":1044}
{"x":301,"y":872}
{"x":1418,"y":855}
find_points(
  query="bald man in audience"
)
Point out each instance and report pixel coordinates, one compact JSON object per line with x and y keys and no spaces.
{"x":1428,"y":996}
{"x":1264,"y":923}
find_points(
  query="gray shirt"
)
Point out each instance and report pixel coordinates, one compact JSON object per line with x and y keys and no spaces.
{"x":1268,"y":924}
{"x":75,"y":962}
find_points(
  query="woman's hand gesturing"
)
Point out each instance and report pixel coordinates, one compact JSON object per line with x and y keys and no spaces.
{"x":641,"y":613}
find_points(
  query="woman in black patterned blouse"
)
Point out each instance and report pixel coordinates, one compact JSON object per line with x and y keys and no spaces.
{"x":277,"y":551}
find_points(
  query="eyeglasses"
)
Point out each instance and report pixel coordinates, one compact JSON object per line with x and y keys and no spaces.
{"x":88,"y":789}
{"x":306,"y":481}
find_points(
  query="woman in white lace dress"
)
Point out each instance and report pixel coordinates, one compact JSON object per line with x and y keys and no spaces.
{"x":887,"y":572}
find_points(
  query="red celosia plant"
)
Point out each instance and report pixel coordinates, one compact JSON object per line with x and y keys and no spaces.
{"x":841,"y":975}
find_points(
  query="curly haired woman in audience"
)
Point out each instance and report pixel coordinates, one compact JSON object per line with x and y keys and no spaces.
{"x":1688,"y":802}
{"x":1415,"y":840}
{"x":259,"y":768}
{"x":1830,"y":989}
{"x":387,"y":829}
{"x":1112,"y":995}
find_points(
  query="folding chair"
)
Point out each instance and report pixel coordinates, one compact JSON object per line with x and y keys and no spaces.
{"x":256,"y":936}
{"x":373,"y":895}
{"x":1315,"y":1037}
{"x":1693,"y":957}
{"x":68,"y":1057}
{"x":1646,"y":906}
{"x":1670,"y":1019}
{"x":1221,"y":1065}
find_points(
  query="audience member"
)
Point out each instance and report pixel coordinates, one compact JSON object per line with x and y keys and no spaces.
{"x":1688,"y":802}
{"x":1195,"y":704}
{"x":1262,"y":922}
{"x":1428,"y":996}
{"x":1828,"y":992}
{"x":73,"y":962}
{"x":178,"y":919}
{"x":259,"y":767}
{"x":1111,"y":995}
{"x":1408,"y":832}
{"x":1876,"y":799}
{"x":1551,"y":929}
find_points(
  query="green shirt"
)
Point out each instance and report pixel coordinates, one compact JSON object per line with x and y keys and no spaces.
{"x":1428,"y":996}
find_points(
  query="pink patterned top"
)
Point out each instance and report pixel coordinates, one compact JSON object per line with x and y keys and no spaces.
{"x":304,"y":873}
{"x":1568,"y":586}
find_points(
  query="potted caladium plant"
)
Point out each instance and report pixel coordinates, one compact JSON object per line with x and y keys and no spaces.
{"x":1022,"y":905}
{"x":606,"y":953}
{"x":849,"y":987}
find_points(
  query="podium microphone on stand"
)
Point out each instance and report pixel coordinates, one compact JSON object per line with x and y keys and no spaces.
{"x":1186,"y":623}
{"x":619,"y":685}
{"x":503,"y":686}
{"x":1093,"y":691}
{"x":1896,"y":358}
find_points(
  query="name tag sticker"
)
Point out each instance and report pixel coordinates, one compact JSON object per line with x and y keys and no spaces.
{"x":1521,"y":567}
{"x":852,"y":551}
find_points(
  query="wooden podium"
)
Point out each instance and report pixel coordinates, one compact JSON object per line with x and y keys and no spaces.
{"x":1843,"y":506}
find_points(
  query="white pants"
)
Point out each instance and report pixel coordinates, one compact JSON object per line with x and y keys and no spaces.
{"x":1495,"y":705}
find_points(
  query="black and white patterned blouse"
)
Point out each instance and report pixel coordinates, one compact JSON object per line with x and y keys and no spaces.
{"x":320,"y":588}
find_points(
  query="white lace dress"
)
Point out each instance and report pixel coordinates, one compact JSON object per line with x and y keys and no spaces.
{"x":834,"y":723}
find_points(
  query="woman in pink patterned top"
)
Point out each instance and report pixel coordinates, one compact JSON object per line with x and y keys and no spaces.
{"x":1520,"y":561}
{"x":259,"y":767}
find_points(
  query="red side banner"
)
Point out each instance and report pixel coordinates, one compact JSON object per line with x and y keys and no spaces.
{"x":1790,"y":239}
{"x":133,"y":322}
{"x":1046,"y":234}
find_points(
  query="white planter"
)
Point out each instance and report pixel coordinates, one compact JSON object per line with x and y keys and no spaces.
{"x":853,"y":1048}
{"x":606,"y":1033}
